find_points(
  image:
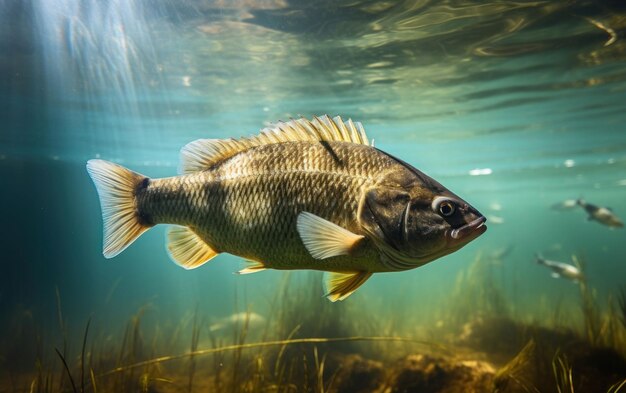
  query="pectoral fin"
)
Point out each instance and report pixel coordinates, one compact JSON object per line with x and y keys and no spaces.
{"x":555,"y":275}
{"x":339,"y":286}
{"x":187,"y":249}
{"x":323,"y":239}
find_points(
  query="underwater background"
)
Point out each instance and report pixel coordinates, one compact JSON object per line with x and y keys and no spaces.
{"x":515,"y":106}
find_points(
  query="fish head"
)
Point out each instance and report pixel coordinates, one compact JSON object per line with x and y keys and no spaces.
{"x":413,"y":219}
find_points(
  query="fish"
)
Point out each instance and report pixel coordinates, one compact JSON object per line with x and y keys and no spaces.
{"x":302,"y":194}
{"x":567,"y":204}
{"x":603,"y":215}
{"x":561,"y":269}
{"x":251,"y":319}
{"x":502,"y":252}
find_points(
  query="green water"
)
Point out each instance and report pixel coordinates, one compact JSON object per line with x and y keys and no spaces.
{"x":514,"y":106}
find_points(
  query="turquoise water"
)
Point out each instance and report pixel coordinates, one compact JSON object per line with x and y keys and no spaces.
{"x":514,"y":106}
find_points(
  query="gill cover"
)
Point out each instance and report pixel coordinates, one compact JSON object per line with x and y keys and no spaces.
{"x":383,"y":213}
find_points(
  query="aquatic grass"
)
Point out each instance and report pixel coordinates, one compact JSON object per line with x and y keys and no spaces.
{"x":82,"y":357}
{"x":476,"y":295}
{"x":92,"y":376}
{"x":195,"y":336}
{"x":240,"y":335}
{"x":617,"y":387}
{"x":613,"y":329}
{"x":145,"y":361}
{"x":61,"y":321}
{"x":67,"y":370}
{"x":562,"y":374}
{"x":132,"y":350}
{"x":622,"y":305}
{"x":591,"y":319}
{"x":236,"y":347}
{"x":601,"y":328}
{"x":63,"y":331}
{"x":512,"y":372}
{"x":218,"y":358}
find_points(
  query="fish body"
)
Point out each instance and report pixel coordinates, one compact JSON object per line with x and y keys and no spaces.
{"x":503,"y":252}
{"x":251,"y":319}
{"x":561,"y":269}
{"x":567,"y":204}
{"x":603,"y":215}
{"x":300,"y":195}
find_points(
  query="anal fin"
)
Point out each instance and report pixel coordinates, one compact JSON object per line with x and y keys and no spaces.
{"x":339,"y":286}
{"x":187,"y":249}
{"x":253,"y":267}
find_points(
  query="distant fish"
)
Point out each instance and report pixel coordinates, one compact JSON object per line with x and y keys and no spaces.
{"x":567,"y":204}
{"x":238,"y":320}
{"x":495,"y":206}
{"x":561,"y":269}
{"x":300,"y":195}
{"x":603,"y":215}
{"x":502,"y":252}
{"x":495,"y":219}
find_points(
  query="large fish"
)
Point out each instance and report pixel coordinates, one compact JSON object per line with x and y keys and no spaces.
{"x":300,"y":195}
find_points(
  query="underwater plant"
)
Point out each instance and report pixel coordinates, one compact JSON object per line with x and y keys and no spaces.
{"x":562,"y":374}
{"x":622,"y":306}
{"x":476,"y":294}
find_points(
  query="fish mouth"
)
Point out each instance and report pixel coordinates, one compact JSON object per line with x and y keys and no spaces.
{"x":469,"y":231}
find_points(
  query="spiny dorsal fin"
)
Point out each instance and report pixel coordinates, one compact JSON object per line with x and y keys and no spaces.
{"x":339,"y":286}
{"x":187,"y":249}
{"x":201,"y":154}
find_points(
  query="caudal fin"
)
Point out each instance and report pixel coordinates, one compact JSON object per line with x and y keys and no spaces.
{"x":117,"y":187}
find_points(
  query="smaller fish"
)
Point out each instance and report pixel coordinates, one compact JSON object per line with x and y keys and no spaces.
{"x":495,"y":206}
{"x":502,"y":252}
{"x":567,"y":204}
{"x":495,"y":219}
{"x":603,"y":215}
{"x":238,"y":319}
{"x":561,"y":269}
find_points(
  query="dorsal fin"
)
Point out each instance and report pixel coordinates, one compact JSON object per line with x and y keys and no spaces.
{"x":201,"y":154}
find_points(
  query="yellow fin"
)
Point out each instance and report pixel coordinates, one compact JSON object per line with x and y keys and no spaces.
{"x":201,"y":154}
{"x":253,"y":267}
{"x":187,"y":249}
{"x":116,"y":188}
{"x":324,"y":239}
{"x":339,"y":286}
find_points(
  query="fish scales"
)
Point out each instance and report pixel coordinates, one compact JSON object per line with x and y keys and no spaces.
{"x":248,"y":203}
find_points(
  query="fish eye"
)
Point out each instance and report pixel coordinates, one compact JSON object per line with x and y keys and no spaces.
{"x":446,"y":208}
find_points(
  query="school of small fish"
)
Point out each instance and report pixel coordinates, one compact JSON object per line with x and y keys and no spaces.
{"x":600,"y":214}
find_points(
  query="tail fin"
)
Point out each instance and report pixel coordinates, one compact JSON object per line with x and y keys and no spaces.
{"x":117,"y":187}
{"x":540,"y":259}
